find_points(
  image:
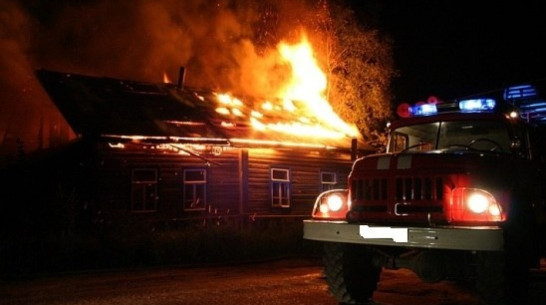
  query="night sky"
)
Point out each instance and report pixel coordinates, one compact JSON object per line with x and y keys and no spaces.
{"x":452,"y":49}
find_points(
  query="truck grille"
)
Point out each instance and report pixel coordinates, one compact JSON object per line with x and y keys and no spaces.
{"x":405,"y":195}
{"x":418,"y":188}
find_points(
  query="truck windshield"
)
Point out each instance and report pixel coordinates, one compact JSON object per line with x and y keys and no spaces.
{"x":481,"y":135}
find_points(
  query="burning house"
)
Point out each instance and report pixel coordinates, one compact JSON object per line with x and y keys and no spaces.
{"x":162,"y":151}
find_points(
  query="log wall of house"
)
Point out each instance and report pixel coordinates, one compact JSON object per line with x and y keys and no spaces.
{"x":304,"y":169}
{"x":117,"y":164}
{"x":238,"y":179}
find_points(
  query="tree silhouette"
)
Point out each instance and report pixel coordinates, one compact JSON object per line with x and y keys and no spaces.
{"x":360,"y":68}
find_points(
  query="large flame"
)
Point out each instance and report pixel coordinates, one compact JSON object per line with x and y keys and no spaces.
{"x":308,"y":84}
{"x":302,"y":97}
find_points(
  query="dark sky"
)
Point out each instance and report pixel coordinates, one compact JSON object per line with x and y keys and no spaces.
{"x":453,"y":49}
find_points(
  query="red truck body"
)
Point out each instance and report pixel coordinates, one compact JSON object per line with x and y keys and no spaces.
{"x":458,"y":194}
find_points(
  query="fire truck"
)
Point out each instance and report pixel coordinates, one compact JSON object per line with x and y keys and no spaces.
{"x":459,"y":194}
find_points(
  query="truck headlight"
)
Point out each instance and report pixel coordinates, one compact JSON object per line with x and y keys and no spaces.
{"x":332,"y":204}
{"x":473,"y":204}
{"x":478,"y":203}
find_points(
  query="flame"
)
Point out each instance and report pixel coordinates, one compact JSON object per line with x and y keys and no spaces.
{"x":308,"y":85}
{"x":166,"y":78}
{"x":301,"y":99}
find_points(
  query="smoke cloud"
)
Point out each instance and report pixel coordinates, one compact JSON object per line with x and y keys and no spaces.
{"x":224,"y":45}
{"x":221,"y":43}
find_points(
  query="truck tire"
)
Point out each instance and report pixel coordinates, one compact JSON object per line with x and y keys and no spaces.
{"x":350,"y":272}
{"x":490,"y":281}
{"x":501,"y":280}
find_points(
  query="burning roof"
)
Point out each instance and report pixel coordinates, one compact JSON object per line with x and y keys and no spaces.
{"x":126,"y":110}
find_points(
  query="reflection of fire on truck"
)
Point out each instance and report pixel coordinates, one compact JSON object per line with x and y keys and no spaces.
{"x":458,"y":195}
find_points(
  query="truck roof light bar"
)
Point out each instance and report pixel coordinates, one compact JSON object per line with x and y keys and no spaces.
{"x":477,"y":105}
{"x":405,"y":110}
{"x":424,"y":110}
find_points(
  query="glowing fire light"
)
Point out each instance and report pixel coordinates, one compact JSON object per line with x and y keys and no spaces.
{"x":308,"y":85}
{"x":225,"y":98}
{"x":301,"y":98}
{"x":267,"y":105}
{"x":223,"y":110}
{"x":256,"y":114}
{"x":166,"y":78}
{"x":227,"y":124}
{"x":237,"y":112}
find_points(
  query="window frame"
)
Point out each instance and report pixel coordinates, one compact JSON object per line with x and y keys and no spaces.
{"x":195,"y":186}
{"x":143,"y":187}
{"x":280,"y":188}
{"x":328,"y":185}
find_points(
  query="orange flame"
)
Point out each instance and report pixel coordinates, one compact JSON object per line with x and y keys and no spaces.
{"x":166,"y":78}
{"x":308,"y":85}
{"x":302,"y":98}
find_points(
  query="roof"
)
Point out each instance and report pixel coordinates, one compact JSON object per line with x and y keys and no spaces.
{"x":106,"y":107}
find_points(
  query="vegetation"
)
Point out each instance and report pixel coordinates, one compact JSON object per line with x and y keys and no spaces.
{"x":142,"y":245}
{"x":360,"y":69}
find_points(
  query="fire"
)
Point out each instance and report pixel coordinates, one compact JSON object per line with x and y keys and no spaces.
{"x":308,"y":81}
{"x":166,"y":78}
{"x":308,"y":85}
{"x":301,"y":100}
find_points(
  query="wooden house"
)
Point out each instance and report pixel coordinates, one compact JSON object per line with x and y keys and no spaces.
{"x":163,"y":152}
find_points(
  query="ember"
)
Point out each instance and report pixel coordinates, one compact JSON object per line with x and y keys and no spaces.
{"x":166,"y":78}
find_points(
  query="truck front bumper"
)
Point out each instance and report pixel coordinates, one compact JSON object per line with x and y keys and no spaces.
{"x":452,"y":238}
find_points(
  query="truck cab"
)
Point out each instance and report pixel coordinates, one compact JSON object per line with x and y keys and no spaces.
{"x":458,"y":194}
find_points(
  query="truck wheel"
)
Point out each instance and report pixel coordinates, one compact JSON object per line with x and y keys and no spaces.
{"x":501,"y":280}
{"x":350,"y":272}
{"x":490,"y":277}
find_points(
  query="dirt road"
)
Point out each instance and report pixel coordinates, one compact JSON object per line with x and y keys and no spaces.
{"x":281,"y":282}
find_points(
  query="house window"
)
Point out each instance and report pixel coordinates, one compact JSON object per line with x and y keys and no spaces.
{"x":144,"y":190}
{"x":195,"y":186}
{"x":328,"y":180}
{"x":280,"y":187}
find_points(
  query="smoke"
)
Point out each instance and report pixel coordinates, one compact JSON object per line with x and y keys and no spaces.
{"x":24,"y":107}
{"x":225,"y":45}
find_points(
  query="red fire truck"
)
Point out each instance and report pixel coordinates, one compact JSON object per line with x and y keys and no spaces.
{"x":458,"y":195}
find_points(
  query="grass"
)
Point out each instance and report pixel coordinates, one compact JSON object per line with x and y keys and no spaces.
{"x":138,"y":244}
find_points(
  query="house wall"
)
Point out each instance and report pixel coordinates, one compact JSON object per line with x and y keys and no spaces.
{"x":116,"y":165}
{"x":304,"y":167}
{"x":238,"y":179}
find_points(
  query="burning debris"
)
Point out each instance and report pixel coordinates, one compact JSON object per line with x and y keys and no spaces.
{"x":165,"y":116}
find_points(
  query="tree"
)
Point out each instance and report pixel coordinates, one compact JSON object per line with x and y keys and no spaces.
{"x":360,"y":68}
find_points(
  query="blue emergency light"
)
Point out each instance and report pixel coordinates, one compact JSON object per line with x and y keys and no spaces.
{"x":537,"y":106}
{"x":520,"y":92}
{"x":424,"y":110}
{"x":477,"y":105}
{"x":428,"y":109}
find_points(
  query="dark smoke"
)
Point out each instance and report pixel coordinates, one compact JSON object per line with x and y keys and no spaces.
{"x":28,"y":119}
